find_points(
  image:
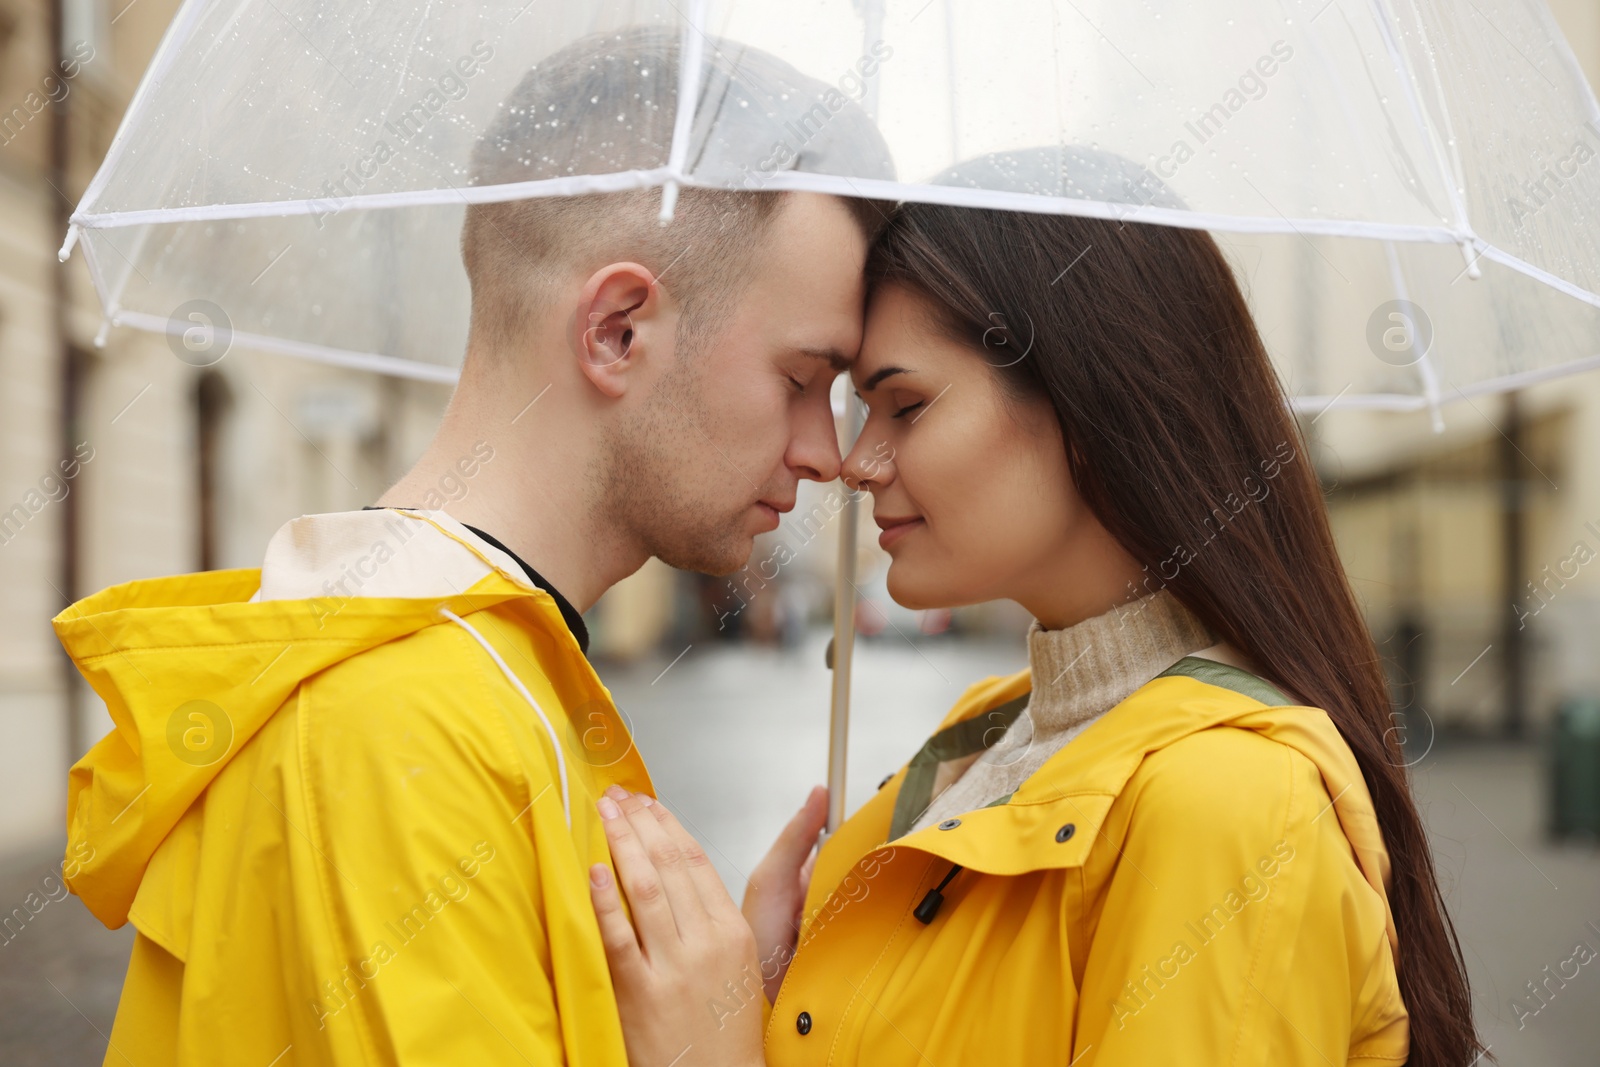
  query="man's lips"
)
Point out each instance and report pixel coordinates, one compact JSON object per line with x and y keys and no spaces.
{"x":773,"y":511}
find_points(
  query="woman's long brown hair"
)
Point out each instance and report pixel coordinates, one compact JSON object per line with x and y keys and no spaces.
{"x":1172,"y":414}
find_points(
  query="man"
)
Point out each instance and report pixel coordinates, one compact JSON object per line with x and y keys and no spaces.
{"x":349,"y":801}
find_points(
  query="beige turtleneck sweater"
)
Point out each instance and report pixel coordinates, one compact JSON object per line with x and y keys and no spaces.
{"x":1079,"y":673}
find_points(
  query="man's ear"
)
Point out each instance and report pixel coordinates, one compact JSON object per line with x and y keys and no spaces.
{"x":620,"y":314}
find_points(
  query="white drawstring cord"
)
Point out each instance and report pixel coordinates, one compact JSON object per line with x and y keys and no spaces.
{"x":555,"y":741}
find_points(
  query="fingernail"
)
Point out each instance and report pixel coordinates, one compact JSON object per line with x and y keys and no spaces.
{"x":616,"y":792}
{"x":646,"y":799}
{"x":599,"y":876}
{"x":608,"y":808}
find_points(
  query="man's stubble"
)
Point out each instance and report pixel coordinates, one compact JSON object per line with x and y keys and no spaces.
{"x":670,"y":486}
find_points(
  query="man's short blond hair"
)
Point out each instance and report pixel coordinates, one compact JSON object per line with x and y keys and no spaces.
{"x":608,"y":103}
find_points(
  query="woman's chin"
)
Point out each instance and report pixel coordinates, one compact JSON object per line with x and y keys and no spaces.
{"x":917,"y":592}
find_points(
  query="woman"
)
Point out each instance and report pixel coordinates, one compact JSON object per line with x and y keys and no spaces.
{"x":1185,"y":834}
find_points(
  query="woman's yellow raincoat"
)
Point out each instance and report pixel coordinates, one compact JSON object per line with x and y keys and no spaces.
{"x":334,"y":811}
{"x":1196,"y":879}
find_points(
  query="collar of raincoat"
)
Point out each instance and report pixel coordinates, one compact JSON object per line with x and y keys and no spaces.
{"x":1078,"y":785}
{"x":232,"y":646}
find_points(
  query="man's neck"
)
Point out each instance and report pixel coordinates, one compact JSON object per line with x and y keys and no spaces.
{"x":535,"y":492}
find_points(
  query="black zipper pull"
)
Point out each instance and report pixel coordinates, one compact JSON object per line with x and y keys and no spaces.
{"x":929,"y":908}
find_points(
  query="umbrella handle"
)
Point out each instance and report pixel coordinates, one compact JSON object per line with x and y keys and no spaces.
{"x":844,"y":638}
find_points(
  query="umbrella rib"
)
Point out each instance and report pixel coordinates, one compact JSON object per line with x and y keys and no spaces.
{"x":690,"y":55}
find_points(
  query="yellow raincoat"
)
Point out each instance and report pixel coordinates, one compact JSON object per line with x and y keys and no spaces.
{"x":1196,"y":879}
{"x":334,"y":811}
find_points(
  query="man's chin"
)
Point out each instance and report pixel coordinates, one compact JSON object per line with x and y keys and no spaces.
{"x":714,"y":556}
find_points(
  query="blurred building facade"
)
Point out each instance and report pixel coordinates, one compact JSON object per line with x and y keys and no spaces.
{"x":124,"y":461}
{"x":1474,"y":547}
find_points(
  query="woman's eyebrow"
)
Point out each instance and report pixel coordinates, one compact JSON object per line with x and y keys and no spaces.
{"x":879,"y":375}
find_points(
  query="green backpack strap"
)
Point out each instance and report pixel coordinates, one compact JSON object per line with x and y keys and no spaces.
{"x":973,"y":735}
{"x":1226,"y":676}
{"x":953,"y":742}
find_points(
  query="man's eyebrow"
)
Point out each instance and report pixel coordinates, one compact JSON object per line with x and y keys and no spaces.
{"x":832,"y":356}
{"x":872,"y":383}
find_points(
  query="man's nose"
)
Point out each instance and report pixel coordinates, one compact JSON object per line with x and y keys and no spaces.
{"x":814,"y":452}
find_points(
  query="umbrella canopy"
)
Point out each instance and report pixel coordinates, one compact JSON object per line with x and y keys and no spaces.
{"x":1423,"y":172}
{"x":1414,"y":179}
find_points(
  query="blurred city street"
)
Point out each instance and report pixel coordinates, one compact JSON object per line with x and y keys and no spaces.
{"x":735,"y":736}
{"x":226,"y":300}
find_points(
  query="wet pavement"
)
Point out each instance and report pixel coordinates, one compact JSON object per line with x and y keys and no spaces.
{"x":735,"y":736}
{"x":60,"y":971}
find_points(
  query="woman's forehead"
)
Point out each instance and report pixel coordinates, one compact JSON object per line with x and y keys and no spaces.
{"x":896,"y":326}
{"x":903,"y":331}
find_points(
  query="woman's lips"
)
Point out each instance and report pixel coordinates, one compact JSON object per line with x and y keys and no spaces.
{"x":894,"y":530}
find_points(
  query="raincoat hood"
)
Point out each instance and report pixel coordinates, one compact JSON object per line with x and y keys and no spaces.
{"x":190,"y":667}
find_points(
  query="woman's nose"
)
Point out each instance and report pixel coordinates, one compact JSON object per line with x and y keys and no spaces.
{"x":867,"y":465}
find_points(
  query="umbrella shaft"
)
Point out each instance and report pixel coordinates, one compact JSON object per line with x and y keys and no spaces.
{"x":844,"y":634}
{"x":844,"y":639}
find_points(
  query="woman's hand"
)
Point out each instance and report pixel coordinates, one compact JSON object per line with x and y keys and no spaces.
{"x":687,"y":978}
{"x":777,"y":890}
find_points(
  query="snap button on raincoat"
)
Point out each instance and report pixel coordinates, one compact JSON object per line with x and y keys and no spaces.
{"x":1197,"y":879}
{"x":333,"y":813}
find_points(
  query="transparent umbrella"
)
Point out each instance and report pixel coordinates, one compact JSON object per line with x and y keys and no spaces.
{"x":295,"y":173}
